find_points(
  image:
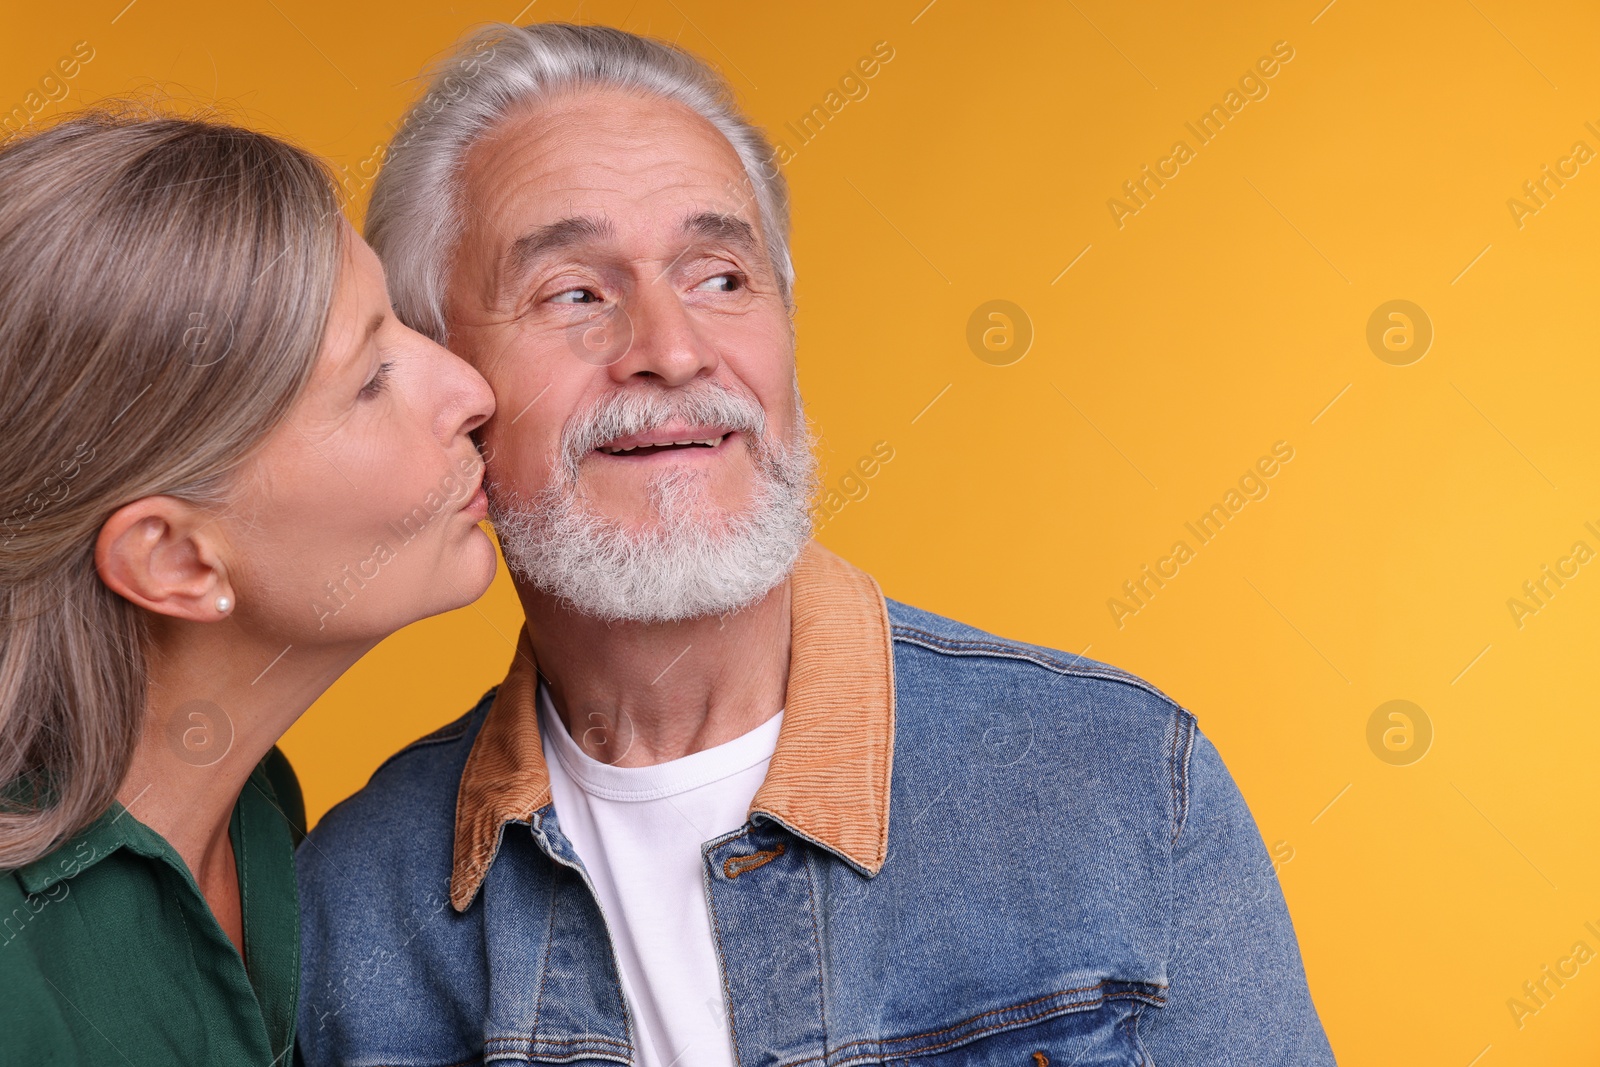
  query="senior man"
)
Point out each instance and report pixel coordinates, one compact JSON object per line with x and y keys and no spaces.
{"x":730,"y":805}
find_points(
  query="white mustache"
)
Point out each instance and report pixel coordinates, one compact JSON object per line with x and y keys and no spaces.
{"x":641,"y":409}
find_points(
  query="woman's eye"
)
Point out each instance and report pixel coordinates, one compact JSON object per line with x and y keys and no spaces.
{"x":379,"y":379}
{"x":576,"y":296}
{"x":722,"y":283}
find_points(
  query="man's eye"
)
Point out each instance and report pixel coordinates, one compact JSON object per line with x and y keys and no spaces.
{"x":722,"y":283}
{"x":576,"y":296}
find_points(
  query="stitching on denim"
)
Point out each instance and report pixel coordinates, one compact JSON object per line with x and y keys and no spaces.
{"x":885,"y":1047}
{"x":1172,"y":778}
{"x":766,"y":816}
{"x":1015,"y":1007}
{"x":1184,"y":755}
{"x":1135,"y":1017}
{"x":722,"y":965}
{"x":954,"y":647}
{"x":560,"y":871}
{"x":530,"y":1042}
{"x":816,"y":942}
{"x":1048,"y":1013}
{"x":549,"y":939}
{"x":734,"y":866}
{"x":1063,"y":1009}
{"x":448,"y":732}
{"x":984,"y":1015}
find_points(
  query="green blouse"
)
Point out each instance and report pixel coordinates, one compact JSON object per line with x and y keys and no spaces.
{"x":110,"y":955}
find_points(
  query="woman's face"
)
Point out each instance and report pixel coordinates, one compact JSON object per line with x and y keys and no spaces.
{"x":360,"y":515}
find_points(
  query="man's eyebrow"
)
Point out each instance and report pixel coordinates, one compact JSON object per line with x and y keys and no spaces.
{"x":553,"y":237}
{"x":720,"y":226}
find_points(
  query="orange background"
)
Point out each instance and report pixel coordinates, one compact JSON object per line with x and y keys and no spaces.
{"x":1228,"y":313}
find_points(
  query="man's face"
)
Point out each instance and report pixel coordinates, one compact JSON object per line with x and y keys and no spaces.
{"x":613,"y":246}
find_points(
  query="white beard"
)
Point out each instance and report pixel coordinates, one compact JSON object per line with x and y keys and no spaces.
{"x":695,"y":559}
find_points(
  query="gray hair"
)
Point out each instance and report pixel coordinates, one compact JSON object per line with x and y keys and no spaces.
{"x":416,"y":216}
{"x":164,"y":286}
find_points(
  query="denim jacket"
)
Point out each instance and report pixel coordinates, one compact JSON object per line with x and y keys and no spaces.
{"x":967,"y":851}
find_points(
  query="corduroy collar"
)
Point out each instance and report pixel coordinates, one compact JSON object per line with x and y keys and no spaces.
{"x":829,"y":777}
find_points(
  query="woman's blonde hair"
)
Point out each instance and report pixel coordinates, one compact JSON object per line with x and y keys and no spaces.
{"x":164,"y":287}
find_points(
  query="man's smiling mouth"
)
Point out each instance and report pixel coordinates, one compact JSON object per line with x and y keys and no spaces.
{"x":652,"y":444}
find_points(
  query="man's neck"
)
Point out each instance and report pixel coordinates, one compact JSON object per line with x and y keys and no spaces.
{"x":637,"y":694}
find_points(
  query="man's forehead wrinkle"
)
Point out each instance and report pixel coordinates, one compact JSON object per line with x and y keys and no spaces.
{"x":642,"y":117}
{"x":557,"y":136}
{"x":533,"y":177}
{"x":505,"y":199}
{"x":601,"y":178}
{"x":539,"y":149}
{"x":578,"y":226}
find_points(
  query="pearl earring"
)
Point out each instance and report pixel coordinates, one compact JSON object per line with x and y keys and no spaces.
{"x":224,"y":605}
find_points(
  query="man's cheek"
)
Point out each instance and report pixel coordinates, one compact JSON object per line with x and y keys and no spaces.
{"x":518,"y":469}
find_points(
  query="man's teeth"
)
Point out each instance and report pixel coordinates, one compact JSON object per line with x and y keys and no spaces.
{"x":709,"y":442}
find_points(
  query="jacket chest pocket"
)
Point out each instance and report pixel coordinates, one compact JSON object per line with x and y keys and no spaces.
{"x":1102,"y":1036}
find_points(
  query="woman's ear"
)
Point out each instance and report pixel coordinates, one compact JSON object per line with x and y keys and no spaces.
{"x":164,"y":555}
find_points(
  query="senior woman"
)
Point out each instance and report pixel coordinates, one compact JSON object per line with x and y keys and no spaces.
{"x":228,"y":471}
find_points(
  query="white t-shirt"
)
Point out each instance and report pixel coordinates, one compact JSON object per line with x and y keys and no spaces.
{"x":638,"y":831}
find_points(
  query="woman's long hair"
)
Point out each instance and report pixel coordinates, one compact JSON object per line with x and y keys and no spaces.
{"x":164,"y":287}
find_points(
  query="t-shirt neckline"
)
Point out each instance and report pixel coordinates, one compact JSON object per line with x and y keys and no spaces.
{"x":659,"y":780}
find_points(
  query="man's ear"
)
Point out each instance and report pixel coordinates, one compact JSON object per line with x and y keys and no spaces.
{"x":164,"y":555}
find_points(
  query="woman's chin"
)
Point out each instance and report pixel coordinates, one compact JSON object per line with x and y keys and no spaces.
{"x":409,"y":589}
{"x":479,"y":562}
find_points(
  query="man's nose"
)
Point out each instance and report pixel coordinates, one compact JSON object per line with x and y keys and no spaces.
{"x":667,"y":343}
